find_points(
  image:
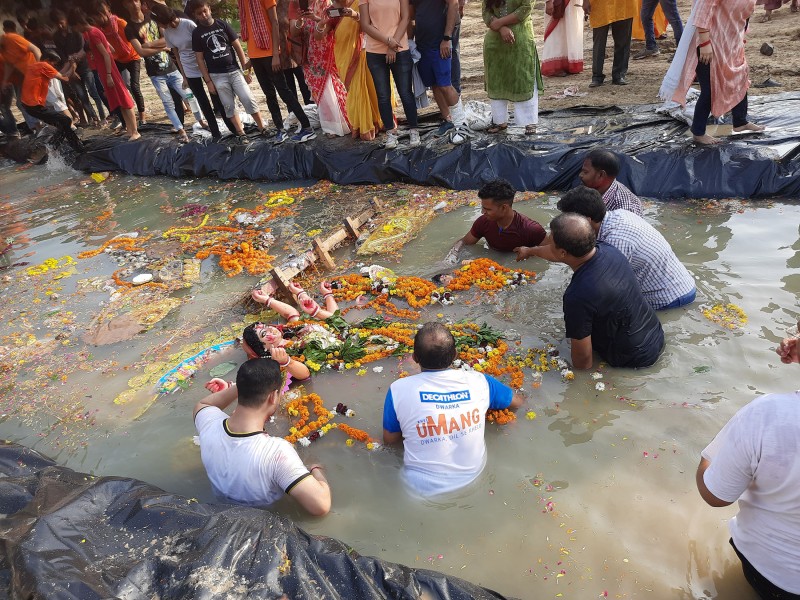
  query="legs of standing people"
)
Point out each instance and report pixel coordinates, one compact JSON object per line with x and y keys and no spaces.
{"x":301,"y":83}
{"x":79,"y":93}
{"x":455,"y":63}
{"x":88,"y":81}
{"x":739,"y":114}
{"x":177,"y":100}
{"x":161,"y":85}
{"x":702,"y":108}
{"x":499,"y":115}
{"x":59,"y":120}
{"x":646,"y":14}
{"x":222,"y":82}
{"x":670,"y":8}
{"x":401,"y":72}
{"x":133,"y":69}
{"x":621,"y":32}
{"x":199,"y":91}
{"x":599,"y":41}
{"x":262,"y":67}
{"x":289,"y":97}
{"x":242,"y":91}
{"x":376,"y":63}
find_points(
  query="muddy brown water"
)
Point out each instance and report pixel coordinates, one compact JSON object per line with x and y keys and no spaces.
{"x":594,"y":496}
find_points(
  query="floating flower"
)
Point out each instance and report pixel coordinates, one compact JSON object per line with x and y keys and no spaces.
{"x":597,"y":376}
{"x":530,"y":415}
{"x":600,"y":386}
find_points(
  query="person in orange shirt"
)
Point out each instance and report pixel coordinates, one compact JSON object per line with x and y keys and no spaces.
{"x":19,"y":53}
{"x":124,"y":54}
{"x":34,"y":96}
{"x":260,"y":29}
{"x":8,"y":124}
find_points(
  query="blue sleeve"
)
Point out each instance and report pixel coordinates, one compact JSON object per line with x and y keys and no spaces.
{"x":500,"y":395}
{"x":390,"y":422}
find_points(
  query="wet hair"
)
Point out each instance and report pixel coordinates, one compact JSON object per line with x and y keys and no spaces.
{"x":32,"y":24}
{"x":604,"y":160}
{"x":583,"y":201}
{"x":434,"y":346}
{"x":9,"y":26}
{"x":193,"y":5}
{"x":256,"y":379}
{"x":57,"y":15}
{"x":497,"y":190}
{"x":573,"y":233}
{"x":51,"y":57}
{"x":250,"y":335}
{"x":163,"y":14}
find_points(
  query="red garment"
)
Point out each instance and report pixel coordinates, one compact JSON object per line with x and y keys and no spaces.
{"x":730,"y":78}
{"x":118,"y":96}
{"x":37,"y":80}
{"x":523,"y":231}
{"x":114,"y":31}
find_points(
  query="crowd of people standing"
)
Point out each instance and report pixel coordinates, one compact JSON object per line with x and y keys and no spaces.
{"x":342,"y":56}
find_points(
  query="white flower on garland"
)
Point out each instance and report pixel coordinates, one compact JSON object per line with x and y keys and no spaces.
{"x":304,"y":442}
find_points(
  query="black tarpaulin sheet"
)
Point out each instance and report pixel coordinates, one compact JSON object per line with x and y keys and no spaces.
{"x":658,"y":159}
{"x":68,"y":535}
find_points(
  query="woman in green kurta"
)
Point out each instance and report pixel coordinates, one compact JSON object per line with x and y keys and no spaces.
{"x":511,"y":64}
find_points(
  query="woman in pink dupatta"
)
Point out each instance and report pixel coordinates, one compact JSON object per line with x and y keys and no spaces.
{"x":712,"y":46}
{"x":562,"y":53}
{"x":320,"y":70}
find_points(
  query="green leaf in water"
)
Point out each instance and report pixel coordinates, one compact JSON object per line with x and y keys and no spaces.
{"x":702,"y":369}
{"x":222,"y":369}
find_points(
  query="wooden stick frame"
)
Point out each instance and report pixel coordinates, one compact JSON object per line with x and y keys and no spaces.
{"x":320,"y":252}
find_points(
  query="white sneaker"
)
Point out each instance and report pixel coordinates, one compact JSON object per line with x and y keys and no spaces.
{"x":459,"y":135}
{"x":413,"y":138}
{"x":391,"y":140}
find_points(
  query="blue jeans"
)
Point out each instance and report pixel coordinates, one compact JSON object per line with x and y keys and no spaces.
{"x":401,"y":71}
{"x":670,"y":8}
{"x":687,"y":298}
{"x":163,"y":83}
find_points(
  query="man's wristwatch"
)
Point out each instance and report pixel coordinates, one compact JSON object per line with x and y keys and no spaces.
{"x":447,"y":38}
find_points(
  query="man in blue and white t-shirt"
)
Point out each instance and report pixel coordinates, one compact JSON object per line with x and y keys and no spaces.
{"x":440,"y":414}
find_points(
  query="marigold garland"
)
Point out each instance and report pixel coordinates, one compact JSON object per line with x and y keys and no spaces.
{"x":487,"y":275}
{"x":500,"y":417}
{"x":728,"y":315}
{"x":128,"y":244}
{"x":303,"y":429}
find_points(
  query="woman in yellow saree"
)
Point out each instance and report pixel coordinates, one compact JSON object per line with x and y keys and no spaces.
{"x":351,"y":62}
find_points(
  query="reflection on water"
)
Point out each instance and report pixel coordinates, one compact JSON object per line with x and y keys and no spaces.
{"x":595,"y":496}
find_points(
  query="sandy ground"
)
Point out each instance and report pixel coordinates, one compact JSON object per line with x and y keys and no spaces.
{"x":645,"y":76}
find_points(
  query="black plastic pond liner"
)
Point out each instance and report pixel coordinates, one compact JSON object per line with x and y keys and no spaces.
{"x":68,"y":535}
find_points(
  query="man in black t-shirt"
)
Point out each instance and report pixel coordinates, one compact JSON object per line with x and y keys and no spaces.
{"x":604,"y":309}
{"x":145,"y":36}
{"x":217,"y":47}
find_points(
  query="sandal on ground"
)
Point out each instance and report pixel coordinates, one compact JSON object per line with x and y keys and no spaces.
{"x":495,"y":128}
{"x":530,"y":129}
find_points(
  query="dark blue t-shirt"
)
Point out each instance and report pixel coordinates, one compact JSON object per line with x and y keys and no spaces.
{"x":604,"y":300}
{"x":430,"y":17}
{"x":215,"y":42}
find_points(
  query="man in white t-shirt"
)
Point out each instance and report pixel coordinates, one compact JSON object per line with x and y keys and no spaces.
{"x":440,"y":414}
{"x":245,"y":464}
{"x":755,"y":459}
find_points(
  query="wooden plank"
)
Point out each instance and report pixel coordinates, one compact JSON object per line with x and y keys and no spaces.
{"x":280,"y":276}
{"x":322,"y":253}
